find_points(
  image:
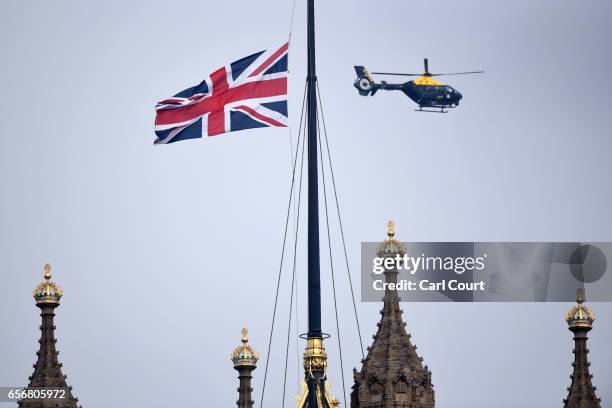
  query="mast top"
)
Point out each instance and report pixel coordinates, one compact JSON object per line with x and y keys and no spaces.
{"x":47,"y":292}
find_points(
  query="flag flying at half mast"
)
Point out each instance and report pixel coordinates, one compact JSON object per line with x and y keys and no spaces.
{"x":248,"y":93}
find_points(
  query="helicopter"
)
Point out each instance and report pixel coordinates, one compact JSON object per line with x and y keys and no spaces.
{"x":425,"y":91}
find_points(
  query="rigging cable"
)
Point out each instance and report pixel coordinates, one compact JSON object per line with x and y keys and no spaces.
{"x":280,"y":269}
{"x":288,"y":71}
{"x":294,"y":211}
{"x":294,"y":267}
{"x":291,"y":23}
{"x":297,"y":337}
{"x":331,"y":264}
{"x":348,"y":272}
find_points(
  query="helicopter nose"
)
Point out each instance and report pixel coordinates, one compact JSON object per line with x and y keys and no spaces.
{"x":458,"y":95}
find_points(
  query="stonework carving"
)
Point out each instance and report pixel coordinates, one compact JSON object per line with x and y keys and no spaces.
{"x":392,"y":374}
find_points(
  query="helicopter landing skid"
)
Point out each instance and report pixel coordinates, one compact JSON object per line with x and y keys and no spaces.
{"x":431,"y":111}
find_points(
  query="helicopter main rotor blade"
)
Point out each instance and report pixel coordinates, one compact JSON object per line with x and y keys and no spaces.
{"x":459,"y":73}
{"x":394,"y":73}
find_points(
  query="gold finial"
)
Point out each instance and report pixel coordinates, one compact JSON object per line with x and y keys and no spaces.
{"x":244,"y":354}
{"x":391,"y":229}
{"x":580,"y":296}
{"x":47,"y":291}
{"x":580,"y":315}
{"x":390,"y":247}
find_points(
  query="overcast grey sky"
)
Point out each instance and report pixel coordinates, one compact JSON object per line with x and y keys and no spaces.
{"x":166,"y":252}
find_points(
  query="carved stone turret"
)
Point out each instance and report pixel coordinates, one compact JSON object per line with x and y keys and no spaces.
{"x":392,"y":375}
{"x":245,"y":359}
{"x":48,"y":370}
{"x":581,"y":393}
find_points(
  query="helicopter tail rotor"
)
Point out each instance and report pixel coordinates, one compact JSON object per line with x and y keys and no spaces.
{"x":364,"y":83}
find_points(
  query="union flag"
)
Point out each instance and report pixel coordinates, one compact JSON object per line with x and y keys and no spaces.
{"x":248,"y":93}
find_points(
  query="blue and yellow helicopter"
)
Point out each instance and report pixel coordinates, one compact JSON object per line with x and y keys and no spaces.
{"x":425,"y":91}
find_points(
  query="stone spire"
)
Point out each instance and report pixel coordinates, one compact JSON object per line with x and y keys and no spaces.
{"x":581,"y":393}
{"x":392,"y":374}
{"x":48,"y":370}
{"x":245,"y":359}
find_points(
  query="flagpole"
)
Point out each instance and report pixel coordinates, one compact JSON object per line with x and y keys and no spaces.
{"x":315,"y":357}
{"x":314,"y":278}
